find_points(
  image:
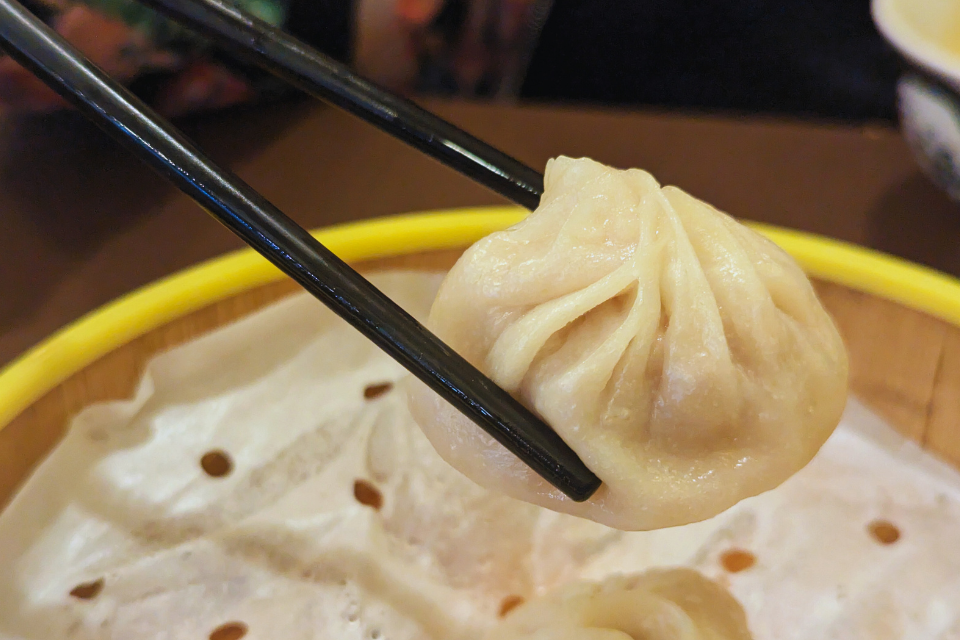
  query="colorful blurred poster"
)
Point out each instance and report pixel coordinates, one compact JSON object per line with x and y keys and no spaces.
{"x":468,"y":48}
{"x":473,"y":48}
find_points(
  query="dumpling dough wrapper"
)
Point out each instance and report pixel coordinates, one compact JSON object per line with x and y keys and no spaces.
{"x":684,"y":357}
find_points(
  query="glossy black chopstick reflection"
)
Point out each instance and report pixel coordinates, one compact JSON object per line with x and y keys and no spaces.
{"x":291,"y":248}
{"x":324,"y":78}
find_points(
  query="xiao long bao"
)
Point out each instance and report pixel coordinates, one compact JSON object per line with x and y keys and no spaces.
{"x":685,"y":358}
{"x":664,"y":604}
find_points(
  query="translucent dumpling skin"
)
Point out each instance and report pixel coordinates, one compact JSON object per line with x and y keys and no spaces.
{"x":685,"y":358}
{"x":675,"y":604}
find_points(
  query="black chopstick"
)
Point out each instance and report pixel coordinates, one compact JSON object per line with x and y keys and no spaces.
{"x":324,"y":78}
{"x":292,"y":249}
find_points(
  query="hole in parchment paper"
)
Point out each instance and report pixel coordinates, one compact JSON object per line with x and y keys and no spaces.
{"x":737,"y":560}
{"x":376,"y":390}
{"x":216,"y":464}
{"x":884,"y":532}
{"x":510,"y":603}
{"x":229,"y":631}
{"x":87,"y":590}
{"x":367,"y":494}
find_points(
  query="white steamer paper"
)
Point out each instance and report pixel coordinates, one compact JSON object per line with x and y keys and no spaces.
{"x":282,"y":546}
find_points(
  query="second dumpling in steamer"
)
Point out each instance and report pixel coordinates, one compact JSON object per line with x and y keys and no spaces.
{"x":685,"y":358}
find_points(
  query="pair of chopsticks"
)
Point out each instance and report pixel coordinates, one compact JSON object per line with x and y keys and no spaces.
{"x":278,"y":238}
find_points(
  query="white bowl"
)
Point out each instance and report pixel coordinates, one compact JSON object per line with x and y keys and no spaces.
{"x":927,"y":35}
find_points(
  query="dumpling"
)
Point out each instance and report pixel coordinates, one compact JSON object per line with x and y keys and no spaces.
{"x":672,"y":604}
{"x":685,"y":358}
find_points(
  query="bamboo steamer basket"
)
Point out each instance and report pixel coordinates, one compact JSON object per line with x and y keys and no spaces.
{"x":900,"y":321}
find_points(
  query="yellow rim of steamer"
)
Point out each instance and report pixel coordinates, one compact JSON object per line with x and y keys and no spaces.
{"x":99,"y":332}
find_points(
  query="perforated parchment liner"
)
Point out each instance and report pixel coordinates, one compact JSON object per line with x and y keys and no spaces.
{"x":267,"y":479}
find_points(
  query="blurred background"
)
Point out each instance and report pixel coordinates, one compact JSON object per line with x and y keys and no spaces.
{"x":819,"y":58}
{"x":783,"y":111}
